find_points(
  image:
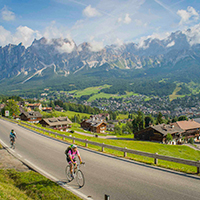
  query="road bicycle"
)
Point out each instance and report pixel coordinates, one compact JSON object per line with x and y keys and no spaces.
{"x":12,"y":143}
{"x":77,"y":174}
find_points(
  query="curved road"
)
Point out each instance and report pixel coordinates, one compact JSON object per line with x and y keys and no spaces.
{"x":117,"y":177}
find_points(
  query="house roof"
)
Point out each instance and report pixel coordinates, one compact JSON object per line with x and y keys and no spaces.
{"x":47,"y":108}
{"x":187,"y":125}
{"x":164,"y":129}
{"x":57,"y":121}
{"x":31,"y":114}
{"x":94,"y":123}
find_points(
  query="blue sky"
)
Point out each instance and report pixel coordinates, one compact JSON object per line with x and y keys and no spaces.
{"x":100,"y":22}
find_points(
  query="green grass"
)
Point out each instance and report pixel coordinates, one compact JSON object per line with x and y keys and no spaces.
{"x":69,"y":114}
{"x":89,"y":91}
{"x":122,"y":116}
{"x":30,"y":185}
{"x":147,"y":99}
{"x":174,"y":94}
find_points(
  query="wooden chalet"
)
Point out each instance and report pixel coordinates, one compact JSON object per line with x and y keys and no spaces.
{"x":32,"y":106}
{"x":191,"y":129}
{"x":94,"y":125}
{"x":58,"y":108}
{"x":59,"y":123}
{"x":32,"y":116}
{"x":47,"y":109}
{"x":159,"y":132}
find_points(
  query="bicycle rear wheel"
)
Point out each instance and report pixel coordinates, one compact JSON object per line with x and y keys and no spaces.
{"x":12,"y":146}
{"x":68,"y":173}
{"x":80,"y":178}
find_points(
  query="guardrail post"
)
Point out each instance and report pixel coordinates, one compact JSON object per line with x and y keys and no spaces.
{"x":198,"y":167}
{"x":125,"y":153}
{"x":107,"y":197}
{"x":73,"y":141}
{"x":102,"y":147}
{"x":86,"y":143}
{"x":156,"y":160}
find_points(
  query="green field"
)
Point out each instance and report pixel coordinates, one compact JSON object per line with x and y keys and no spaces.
{"x":68,"y":114}
{"x":107,"y":96}
{"x":174,"y":94}
{"x":88,"y":91}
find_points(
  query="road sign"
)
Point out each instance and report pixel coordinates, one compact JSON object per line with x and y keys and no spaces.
{"x":7,"y":113}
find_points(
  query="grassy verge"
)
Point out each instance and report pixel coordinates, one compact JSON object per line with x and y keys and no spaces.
{"x":30,"y":185}
{"x":178,"y":151}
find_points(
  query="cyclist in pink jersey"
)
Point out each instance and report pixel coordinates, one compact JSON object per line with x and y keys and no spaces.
{"x":71,"y":157}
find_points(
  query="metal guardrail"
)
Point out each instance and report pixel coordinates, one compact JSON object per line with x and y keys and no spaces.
{"x":125,"y":150}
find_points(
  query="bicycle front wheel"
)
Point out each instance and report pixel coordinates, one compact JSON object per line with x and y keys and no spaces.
{"x":68,"y":173}
{"x":80,"y":178}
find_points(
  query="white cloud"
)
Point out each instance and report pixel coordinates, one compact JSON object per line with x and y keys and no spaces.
{"x":171,"y":44}
{"x":188,"y":16}
{"x":25,"y":35}
{"x":96,"y":46}
{"x":193,"y":34}
{"x":119,"y":20}
{"x":22,"y":34}
{"x":54,"y":31}
{"x":140,"y":23}
{"x":118,"y":42}
{"x":143,"y":44}
{"x":127,"y":19}
{"x":66,"y":47}
{"x":5,"y":36}
{"x":90,"y":12}
{"x":7,"y":15}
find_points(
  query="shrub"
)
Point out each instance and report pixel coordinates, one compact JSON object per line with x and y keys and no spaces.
{"x":191,"y":141}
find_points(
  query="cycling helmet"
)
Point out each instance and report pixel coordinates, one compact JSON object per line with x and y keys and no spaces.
{"x":12,"y":130}
{"x":73,"y":146}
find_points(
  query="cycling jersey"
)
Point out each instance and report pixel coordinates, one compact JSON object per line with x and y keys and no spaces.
{"x":73,"y":153}
{"x":13,"y":135}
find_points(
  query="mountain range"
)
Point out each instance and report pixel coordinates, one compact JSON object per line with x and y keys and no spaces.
{"x":62,"y":63}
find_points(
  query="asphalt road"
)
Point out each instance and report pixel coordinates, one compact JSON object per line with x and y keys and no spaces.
{"x":121,"y":179}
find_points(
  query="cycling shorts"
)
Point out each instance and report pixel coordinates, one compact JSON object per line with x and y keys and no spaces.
{"x":69,"y":161}
{"x":12,"y":138}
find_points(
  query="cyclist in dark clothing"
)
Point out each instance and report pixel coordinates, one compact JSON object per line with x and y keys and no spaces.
{"x":12,"y":136}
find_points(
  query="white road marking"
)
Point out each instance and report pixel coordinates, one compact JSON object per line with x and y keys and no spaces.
{"x":12,"y":150}
{"x":19,"y":155}
{"x":3,"y":143}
